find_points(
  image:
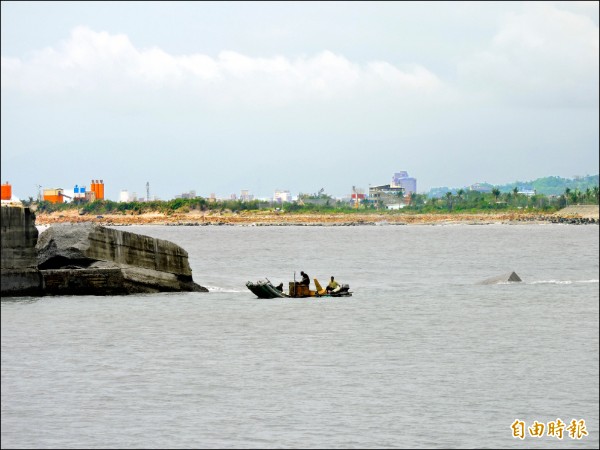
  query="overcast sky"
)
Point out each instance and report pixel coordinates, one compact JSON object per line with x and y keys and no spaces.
{"x":218,"y":97}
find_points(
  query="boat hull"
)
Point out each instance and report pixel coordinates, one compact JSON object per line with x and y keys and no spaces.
{"x":265,"y":289}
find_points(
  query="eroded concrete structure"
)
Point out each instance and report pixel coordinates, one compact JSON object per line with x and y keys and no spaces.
{"x":19,"y":271}
{"x":87,"y":259}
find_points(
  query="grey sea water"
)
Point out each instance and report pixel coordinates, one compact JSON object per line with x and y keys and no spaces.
{"x":421,"y":355}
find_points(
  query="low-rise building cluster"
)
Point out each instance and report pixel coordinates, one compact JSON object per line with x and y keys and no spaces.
{"x":78,"y":193}
{"x":393,"y":195}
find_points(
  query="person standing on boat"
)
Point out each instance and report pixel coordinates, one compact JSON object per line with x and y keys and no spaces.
{"x":305,"y":279}
{"x":332,"y":286}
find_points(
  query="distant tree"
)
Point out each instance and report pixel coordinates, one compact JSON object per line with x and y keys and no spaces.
{"x":411,"y":198}
{"x":515,"y":192}
{"x":496,"y":193}
{"x":449,"y":200}
{"x":575,"y":196}
{"x":366,"y":203}
{"x":28,"y":202}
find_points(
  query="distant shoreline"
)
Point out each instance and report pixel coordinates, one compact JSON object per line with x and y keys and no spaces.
{"x":259,"y":218}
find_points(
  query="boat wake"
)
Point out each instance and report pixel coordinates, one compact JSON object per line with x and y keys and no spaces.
{"x":221,"y":289}
{"x":563,"y":281}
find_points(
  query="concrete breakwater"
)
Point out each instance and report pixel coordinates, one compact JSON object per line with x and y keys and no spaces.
{"x":573,"y":220}
{"x":87,"y":259}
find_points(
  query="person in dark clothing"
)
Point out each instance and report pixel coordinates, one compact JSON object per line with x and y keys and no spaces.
{"x":305,"y":279}
{"x":279,"y":287}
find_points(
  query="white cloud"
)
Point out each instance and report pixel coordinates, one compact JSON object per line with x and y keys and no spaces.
{"x":98,"y":61}
{"x":544,"y":56}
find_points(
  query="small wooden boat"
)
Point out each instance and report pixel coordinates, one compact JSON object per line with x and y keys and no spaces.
{"x":265,"y":289}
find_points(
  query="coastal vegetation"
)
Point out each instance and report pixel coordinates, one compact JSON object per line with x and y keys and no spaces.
{"x":461,"y":201}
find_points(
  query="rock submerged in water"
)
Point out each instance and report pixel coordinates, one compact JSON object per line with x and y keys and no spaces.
{"x":87,"y":258}
{"x":510,"y":277}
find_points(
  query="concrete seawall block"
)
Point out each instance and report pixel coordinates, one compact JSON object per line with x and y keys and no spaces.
{"x":21,"y":282}
{"x":19,"y":237}
{"x":87,"y":243}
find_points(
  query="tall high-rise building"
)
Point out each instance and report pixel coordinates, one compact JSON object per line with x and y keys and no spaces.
{"x":401,"y":179}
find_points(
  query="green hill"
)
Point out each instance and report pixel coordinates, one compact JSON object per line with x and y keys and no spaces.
{"x":547,"y":186}
{"x":555,"y":185}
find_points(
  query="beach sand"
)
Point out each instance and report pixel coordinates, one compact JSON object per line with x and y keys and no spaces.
{"x":279,"y":218}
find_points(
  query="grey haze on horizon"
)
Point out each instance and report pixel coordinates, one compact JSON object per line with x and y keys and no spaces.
{"x":223,"y":96}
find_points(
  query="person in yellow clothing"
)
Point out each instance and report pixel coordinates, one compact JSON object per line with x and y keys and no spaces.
{"x":332,"y":286}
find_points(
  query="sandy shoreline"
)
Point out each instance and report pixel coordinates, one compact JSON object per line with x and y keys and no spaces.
{"x":282,"y":219}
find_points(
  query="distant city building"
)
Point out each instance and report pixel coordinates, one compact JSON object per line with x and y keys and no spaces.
{"x":528,"y":193}
{"x":395,"y":206}
{"x":391,"y":197}
{"x":69,"y":195}
{"x":356,"y":197}
{"x":97,"y":187}
{"x":401,"y":179}
{"x":191,"y":194}
{"x":124,"y":196}
{"x":526,"y":190}
{"x":79,"y":192}
{"x":54,"y":195}
{"x":245,"y":196}
{"x":6,"y":192}
{"x":282,"y":197}
{"x":481,"y":187}
{"x":357,"y":192}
